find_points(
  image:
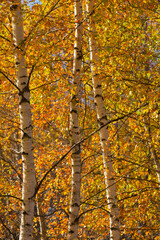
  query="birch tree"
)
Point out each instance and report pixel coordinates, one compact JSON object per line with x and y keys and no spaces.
{"x":152,"y":148}
{"x":146,"y":119}
{"x":26,"y":124}
{"x":41,"y":219}
{"x":74,"y":126}
{"x":104,"y":134}
{"x":120,"y":61}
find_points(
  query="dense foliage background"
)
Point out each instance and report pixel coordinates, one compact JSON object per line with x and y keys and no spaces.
{"x":128,"y":40}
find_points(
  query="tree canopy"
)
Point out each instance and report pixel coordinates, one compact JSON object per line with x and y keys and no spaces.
{"x":80,"y":91}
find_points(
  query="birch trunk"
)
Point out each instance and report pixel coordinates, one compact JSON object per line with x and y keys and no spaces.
{"x":74,"y":126}
{"x":152,"y":148}
{"x":155,"y":159}
{"x":146,"y":119}
{"x":104,"y":134}
{"x":29,"y":181}
{"x":41,"y":219}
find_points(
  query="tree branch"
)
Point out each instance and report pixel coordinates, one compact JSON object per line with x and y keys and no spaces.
{"x":9,"y":162}
{"x":10,"y":80}
{"x":4,"y":225}
{"x":65,"y":155}
{"x":11,"y":196}
{"x":52,"y":8}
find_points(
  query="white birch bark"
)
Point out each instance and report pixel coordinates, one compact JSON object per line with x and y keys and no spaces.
{"x":104,"y":134}
{"x":29,"y":181}
{"x":41,"y":219}
{"x":74,"y":126}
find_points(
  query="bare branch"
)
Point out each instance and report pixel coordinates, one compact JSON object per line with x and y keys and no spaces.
{"x":9,"y":80}
{"x":5,"y":226}
{"x":10,"y":196}
{"x":10,"y":163}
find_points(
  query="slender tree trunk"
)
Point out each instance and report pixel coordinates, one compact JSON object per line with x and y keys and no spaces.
{"x":156,"y":160}
{"x":146,"y":119}
{"x":74,"y":126}
{"x":29,"y":181}
{"x":104,"y":134}
{"x":41,"y":219}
